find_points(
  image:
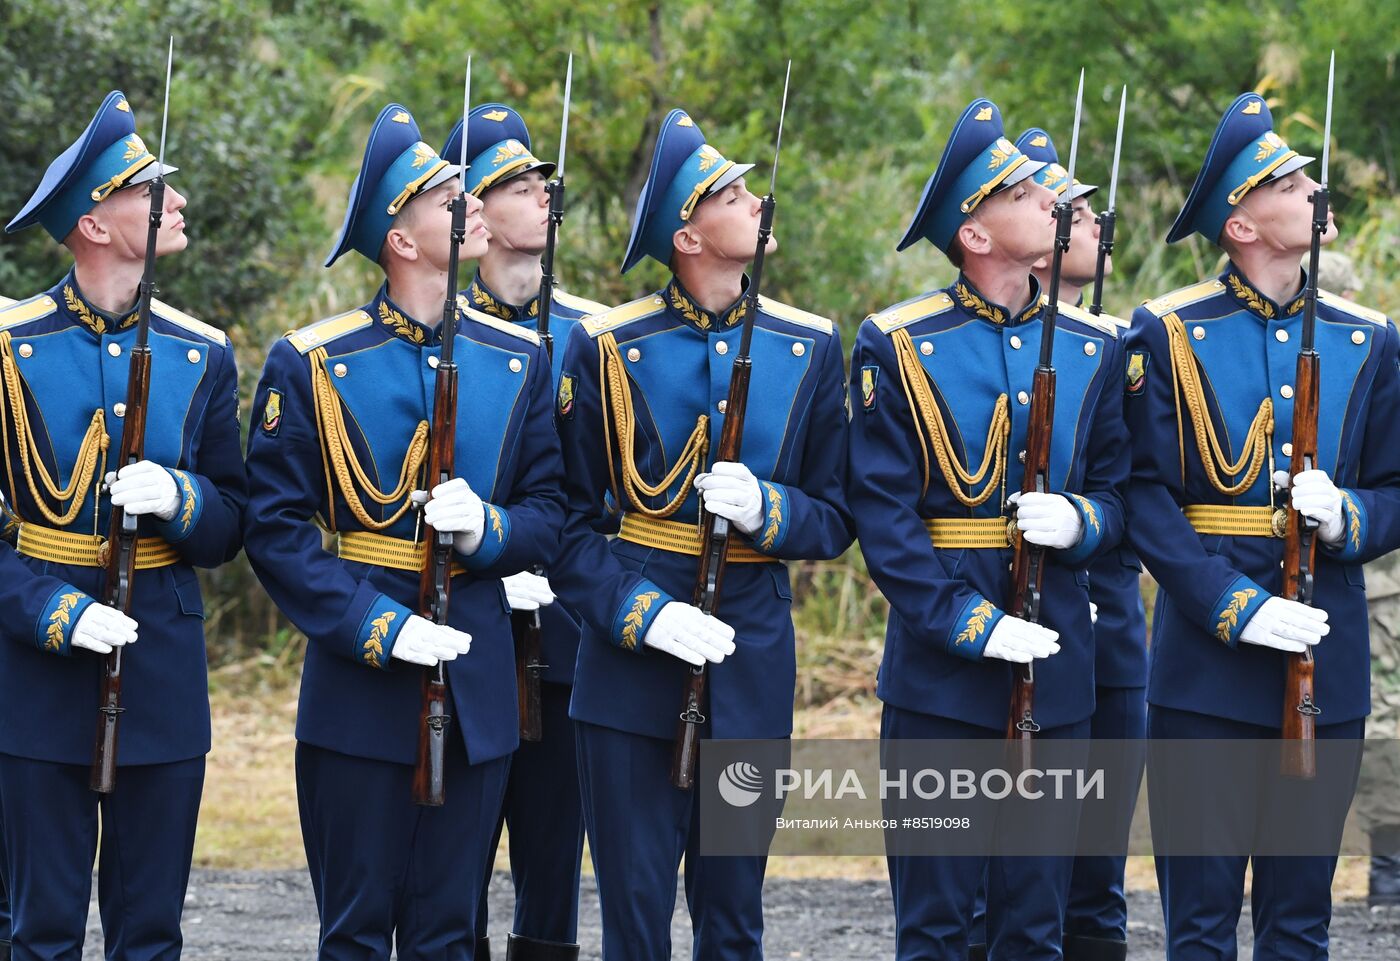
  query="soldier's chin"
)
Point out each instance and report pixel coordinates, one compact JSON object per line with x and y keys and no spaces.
{"x":474,"y":245}
{"x":173,"y":244}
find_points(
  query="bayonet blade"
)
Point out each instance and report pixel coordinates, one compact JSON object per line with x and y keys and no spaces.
{"x":466,"y":125}
{"x":1074,"y":140}
{"x":1327,"y":124}
{"x":782,"y":115}
{"x":165,"y":113}
{"x":564,"y":124}
{"x":1117,"y":152}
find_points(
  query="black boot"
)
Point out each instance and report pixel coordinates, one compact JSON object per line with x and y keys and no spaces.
{"x":529,"y":949}
{"x":482,"y":952}
{"x":1384,"y":888}
{"x":976,"y":952}
{"x":1080,"y":947}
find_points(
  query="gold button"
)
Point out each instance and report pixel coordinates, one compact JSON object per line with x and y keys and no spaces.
{"x":433,"y":362}
{"x":1357,"y":337}
{"x":114,"y":349}
{"x":723,"y":406}
{"x":721,"y":347}
{"x":1091,"y":348}
{"x":1286,"y":391}
{"x":341,"y":370}
{"x":657,"y":300}
{"x":27,"y":350}
{"x":799,"y":349}
{"x":1023,"y":398}
{"x":634,"y":355}
{"x":193,"y":355}
{"x":926,"y":348}
{"x":515,"y":365}
{"x":1198,"y":332}
{"x":1015,"y":343}
{"x":1287,"y":450}
{"x":1281,"y":335}
{"x":119,"y":409}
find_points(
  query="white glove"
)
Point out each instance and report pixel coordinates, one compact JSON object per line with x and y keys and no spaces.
{"x":101,"y":628}
{"x":1093,"y":613}
{"x":455,"y":509}
{"x":690,"y":634}
{"x":1314,"y":495}
{"x":1020,"y":641}
{"x":1048,"y":520}
{"x":423,"y":642}
{"x":731,"y":491}
{"x":1286,"y":625}
{"x":144,"y":488}
{"x":527,"y":592}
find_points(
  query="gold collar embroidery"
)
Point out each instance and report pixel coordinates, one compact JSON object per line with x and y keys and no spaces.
{"x":90,"y":318}
{"x":399,"y":324}
{"x":1256,"y":302}
{"x":699,"y":316}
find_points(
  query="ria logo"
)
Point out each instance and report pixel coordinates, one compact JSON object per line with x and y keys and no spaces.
{"x":740,"y":784}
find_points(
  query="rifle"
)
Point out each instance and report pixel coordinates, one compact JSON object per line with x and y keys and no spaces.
{"x":120,"y":551}
{"x":715,"y":534}
{"x":1300,"y":711}
{"x":1109,"y":217}
{"x":1028,"y":560}
{"x":435,"y":585}
{"x":529,"y":633}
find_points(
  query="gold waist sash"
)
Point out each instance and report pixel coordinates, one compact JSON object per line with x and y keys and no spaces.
{"x":952,"y":533}
{"x":395,"y":553}
{"x":1236,"y":521}
{"x":681,"y":538}
{"x":85,"y":550}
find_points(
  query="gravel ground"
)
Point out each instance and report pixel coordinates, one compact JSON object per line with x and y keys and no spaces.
{"x":270,"y":916}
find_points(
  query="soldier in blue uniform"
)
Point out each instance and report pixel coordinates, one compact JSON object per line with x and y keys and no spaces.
{"x":642,"y":399}
{"x":542,"y":803}
{"x":1209,"y":402}
{"x":338,"y":444}
{"x":1096,"y":920}
{"x":941,"y":391}
{"x":64,"y":363}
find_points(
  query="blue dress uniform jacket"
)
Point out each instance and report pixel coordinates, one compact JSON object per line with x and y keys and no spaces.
{"x":668,"y":363}
{"x":1223,"y":350}
{"x":358,"y":389}
{"x":945,"y":602}
{"x":64,"y":376}
{"x":559,"y":627}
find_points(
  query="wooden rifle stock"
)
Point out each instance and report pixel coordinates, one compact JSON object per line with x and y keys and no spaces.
{"x":714,"y":544}
{"x":435,"y":585}
{"x":120,"y":549}
{"x":1300,"y":710}
{"x":1028,"y":560}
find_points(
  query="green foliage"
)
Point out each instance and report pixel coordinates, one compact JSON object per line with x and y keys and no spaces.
{"x":272,"y":100}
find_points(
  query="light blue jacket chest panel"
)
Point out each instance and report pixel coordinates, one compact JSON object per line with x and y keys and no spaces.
{"x":70,"y":373}
{"x":973,"y":363}
{"x":387,"y":390}
{"x":1244,"y":361}
{"x":681,"y":373}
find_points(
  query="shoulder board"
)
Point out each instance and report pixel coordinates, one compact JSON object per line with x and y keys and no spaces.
{"x":582,"y":304}
{"x":893,"y":318}
{"x":23,"y":311}
{"x":1327,"y":297}
{"x":795,"y":316}
{"x":323,"y":332}
{"x":624,"y":314}
{"x":504,"y":326}
{"x":1180,"y":298}
{"x":1105,"y":322}
{"x":183,"y":320}
{"x":5,"y":301}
